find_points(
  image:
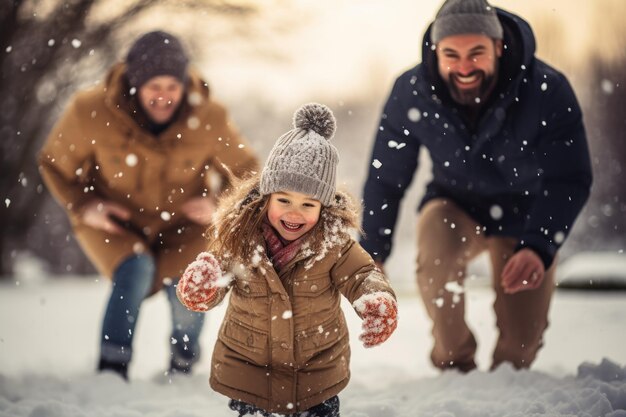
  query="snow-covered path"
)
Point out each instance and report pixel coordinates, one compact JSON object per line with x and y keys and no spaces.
{"x":48,"y":346}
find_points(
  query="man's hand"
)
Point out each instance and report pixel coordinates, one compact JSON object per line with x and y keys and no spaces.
{"x":199,"y":210}
{"x":524,"y":271}
{"x":99,"y":213}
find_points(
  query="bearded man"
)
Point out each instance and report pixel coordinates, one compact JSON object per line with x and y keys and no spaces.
{"x":510,"y":173}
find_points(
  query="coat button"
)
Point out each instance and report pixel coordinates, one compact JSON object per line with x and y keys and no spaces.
{"x":284,"y":345}
{"x":246,"y":289}
{"x":313,"y":287}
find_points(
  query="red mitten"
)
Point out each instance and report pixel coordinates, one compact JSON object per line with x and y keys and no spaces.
{"x":380,"y":317}
{"x":199,"y":283}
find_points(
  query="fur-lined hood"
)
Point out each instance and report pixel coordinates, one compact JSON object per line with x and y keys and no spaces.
{"x":337,"y":223}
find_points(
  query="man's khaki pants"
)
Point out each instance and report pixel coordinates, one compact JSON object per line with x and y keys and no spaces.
{"x":447,"y":240}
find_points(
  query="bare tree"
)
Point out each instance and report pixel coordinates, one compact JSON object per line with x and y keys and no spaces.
{"x":45,"y":52}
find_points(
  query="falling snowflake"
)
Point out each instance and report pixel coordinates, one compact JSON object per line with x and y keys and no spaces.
{"x":194,"y":98}
{"x":131,"y":160}
{"x":496,"y":212}
{"x":138,"y":247}
{"x":193,"y":123}
{"x":414,"y":115}
{"x":454,"y":287}
{"x":559,"y":237}
{"x":607,"y":86}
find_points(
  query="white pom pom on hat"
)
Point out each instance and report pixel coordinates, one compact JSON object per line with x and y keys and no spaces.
{"x":303,"y":159}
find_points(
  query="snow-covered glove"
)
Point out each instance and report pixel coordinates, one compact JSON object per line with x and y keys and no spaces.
{"x":379,"y":312}
{"x":199,"y":283}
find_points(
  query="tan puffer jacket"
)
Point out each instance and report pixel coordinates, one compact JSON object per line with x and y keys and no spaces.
{"x":283,"y":345}
{"x":98,"y":150}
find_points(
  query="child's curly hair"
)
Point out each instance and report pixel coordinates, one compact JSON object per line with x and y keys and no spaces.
{"x":239,"y":213}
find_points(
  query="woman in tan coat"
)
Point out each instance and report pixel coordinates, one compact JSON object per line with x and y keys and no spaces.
{"x":136,"y":162}
{"x":282,"y":240}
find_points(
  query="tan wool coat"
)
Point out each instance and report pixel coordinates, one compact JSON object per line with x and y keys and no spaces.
{"x":99,"y":150}
{"x":283,"y":345}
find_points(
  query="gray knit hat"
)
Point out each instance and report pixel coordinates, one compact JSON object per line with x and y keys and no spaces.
{"x":458,"y":17}
{"x":303,"y":160}
{"x":155,"y":53}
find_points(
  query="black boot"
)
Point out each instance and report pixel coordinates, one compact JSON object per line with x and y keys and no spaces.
{"x":180,"y":366}
{"x":120,"y":368}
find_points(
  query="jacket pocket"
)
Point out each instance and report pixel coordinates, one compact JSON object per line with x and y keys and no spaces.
{"x":321,"y":344}
{"x":321,"y":337}
{"x":119,"y":168}
{"x":246,"y":341}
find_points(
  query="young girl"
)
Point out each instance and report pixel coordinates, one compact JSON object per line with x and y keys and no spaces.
{"x":281,"y":242}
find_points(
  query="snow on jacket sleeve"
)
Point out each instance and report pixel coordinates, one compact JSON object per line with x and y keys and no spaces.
{"x":392,"y":167}
{"x":565,"y":171}
{"x":355,"y":274}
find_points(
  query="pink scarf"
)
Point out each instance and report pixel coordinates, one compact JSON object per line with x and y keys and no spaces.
{"x":281,"y":251}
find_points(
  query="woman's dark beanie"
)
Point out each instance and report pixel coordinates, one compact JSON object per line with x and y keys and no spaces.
{"x":156,"y":53}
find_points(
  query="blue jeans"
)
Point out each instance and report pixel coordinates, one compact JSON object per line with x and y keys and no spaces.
{"x":132,"y":281}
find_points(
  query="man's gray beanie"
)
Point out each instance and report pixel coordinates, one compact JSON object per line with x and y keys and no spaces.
{"x":303,"y":160}
{"x":156,"y":53}
{"x":459,"y":17}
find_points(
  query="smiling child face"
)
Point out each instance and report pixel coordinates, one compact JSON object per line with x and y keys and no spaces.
{"x":293,"y":214}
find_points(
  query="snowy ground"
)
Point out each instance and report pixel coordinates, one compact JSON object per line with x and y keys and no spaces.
{"x":48,"y":344}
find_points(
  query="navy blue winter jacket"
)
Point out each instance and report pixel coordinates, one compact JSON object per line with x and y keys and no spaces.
{"x":523,"y":170}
